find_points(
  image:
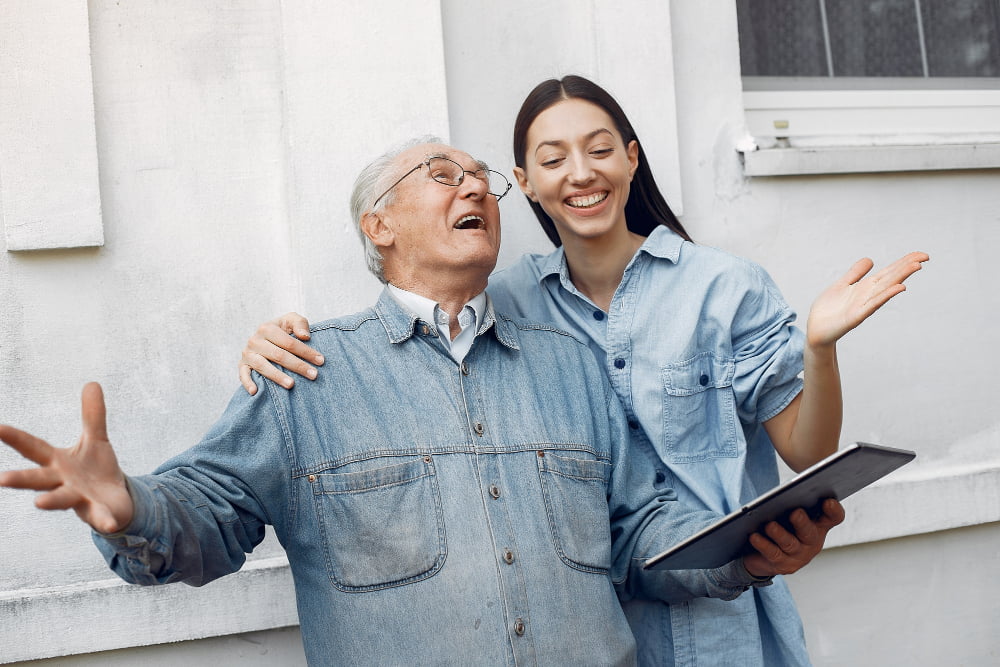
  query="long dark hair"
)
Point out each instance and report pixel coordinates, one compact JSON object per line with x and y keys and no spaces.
{"x":646,"y":207}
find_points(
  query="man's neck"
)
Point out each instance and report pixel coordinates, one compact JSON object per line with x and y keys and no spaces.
{"x":450,"y":298}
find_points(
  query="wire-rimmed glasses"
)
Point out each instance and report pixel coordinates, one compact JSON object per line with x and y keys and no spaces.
{"x":448,"y":172}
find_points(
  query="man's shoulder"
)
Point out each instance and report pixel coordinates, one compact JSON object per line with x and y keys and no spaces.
{"x":343,"y":323}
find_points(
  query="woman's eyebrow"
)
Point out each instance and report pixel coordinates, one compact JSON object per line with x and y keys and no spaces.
{"x":587,"y":137}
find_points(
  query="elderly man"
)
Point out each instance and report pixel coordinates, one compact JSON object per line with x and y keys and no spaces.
{"x":459,"y":490}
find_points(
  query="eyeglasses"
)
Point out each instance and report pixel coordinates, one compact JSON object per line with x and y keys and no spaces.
{"x":449,"y":172}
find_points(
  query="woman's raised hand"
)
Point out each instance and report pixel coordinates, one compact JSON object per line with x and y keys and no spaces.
{"x":852,"y":299}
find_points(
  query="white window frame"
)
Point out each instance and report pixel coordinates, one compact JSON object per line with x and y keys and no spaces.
{"x":845,"y":124}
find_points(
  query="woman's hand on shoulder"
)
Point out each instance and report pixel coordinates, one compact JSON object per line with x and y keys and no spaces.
{"x":851,"y":300}
{"x":279,"y":341}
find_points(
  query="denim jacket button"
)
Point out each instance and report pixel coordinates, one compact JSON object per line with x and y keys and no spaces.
{"x":508,"y":556}
{"x":494,"y":491}
{"x":465,"y":368}
{"x":518,"y":627}
{"x":311,"y":478}
{"x":703,"y":380}
{"x":478,"y":428}
{"x":619,"y":363}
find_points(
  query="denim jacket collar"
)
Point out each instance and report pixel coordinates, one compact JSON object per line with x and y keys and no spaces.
{"x":400,"y":324}
{"x":661,"y":242}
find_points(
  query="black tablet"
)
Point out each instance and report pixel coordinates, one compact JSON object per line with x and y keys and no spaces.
{"x":837,"y":476}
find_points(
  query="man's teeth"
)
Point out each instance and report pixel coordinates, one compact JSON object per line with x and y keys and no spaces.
{"x":589,"y":200}
{"x":470,"y":222}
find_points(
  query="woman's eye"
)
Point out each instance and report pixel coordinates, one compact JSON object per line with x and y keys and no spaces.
{"x":551,"y":162}
{"x":602,"y":151}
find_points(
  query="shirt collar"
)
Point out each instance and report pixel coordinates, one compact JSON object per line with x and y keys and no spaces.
{"x":661,"y":242}
{"x":401,"y":322}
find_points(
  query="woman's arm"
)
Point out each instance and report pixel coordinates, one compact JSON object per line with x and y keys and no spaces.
{"x":808,"y":430}
{"x":279,"y":341}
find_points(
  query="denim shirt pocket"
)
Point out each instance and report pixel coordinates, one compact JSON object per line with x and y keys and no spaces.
{"x":575,"y":489}
{"x":382,"y":524}
{"x":699,"y":409}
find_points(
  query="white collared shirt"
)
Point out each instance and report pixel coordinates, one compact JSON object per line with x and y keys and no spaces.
{"x":430,"y":311}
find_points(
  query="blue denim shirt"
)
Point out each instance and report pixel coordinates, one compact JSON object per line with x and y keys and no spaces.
{"x":432,"y":512}
{"x":699,"y":348}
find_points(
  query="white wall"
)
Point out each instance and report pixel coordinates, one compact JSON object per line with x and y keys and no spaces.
{"x":227,"y":136}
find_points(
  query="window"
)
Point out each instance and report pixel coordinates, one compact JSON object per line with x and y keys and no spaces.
{"x":874,"y":73}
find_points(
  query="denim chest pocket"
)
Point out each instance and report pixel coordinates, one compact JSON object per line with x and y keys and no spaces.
{"x":575,"y":489}
{"x":699,"y":409}
{"x":381,"y":522}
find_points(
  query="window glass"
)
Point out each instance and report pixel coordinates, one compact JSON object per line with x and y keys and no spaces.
{"x":869,"y":38}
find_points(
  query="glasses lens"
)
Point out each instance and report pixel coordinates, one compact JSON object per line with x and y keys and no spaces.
{"x":445,"y":171}
{"x":497,"y":182}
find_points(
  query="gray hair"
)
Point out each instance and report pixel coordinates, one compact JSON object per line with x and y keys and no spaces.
{"x":371,"y":182}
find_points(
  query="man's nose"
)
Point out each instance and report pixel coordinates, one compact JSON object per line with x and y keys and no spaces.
{"x":472,"y":186}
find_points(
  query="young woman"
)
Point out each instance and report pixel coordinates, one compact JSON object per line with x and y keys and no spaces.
{"x":698,"y":345}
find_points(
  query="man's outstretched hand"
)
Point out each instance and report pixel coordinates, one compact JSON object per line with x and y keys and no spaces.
{"x":85,"y":478}
{"x":784,"y":552}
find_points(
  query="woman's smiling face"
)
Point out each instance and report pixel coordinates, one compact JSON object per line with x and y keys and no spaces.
{"x":578,"y":169}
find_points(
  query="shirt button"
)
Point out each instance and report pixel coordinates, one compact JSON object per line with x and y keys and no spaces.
{"x":518,"y":627}
{"x":465,"y":368}
{"x":598,"y":315}
{"x":478,"y":428}
{"x":619,"y":363}
{"x":508,"y":556}
{"x":494,"y":491}
{"x":703,"y":380}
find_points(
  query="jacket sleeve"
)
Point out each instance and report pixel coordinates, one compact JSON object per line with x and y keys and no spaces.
{"x":645,"y":521}
{"x":201,"y":512}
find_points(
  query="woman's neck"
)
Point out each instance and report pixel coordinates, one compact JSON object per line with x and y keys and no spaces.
{"x":596,"y":265}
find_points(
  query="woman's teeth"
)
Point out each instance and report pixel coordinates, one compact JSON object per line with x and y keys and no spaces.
{"x":588,"y":201}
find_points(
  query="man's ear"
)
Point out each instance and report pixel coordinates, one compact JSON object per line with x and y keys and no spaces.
{"x":375,"y":228}
{"x":522,"y":182}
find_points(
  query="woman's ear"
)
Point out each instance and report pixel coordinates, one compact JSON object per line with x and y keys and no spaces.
{"x":632,"y":153}
{"x":375,"y":228}
{"x":522,"y":182}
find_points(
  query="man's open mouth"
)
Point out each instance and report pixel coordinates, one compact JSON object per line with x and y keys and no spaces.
{"x":470,"y":222}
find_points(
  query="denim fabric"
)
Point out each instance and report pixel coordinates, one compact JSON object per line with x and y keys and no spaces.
{"x":699,"y":348}
{"x":432,"y":512}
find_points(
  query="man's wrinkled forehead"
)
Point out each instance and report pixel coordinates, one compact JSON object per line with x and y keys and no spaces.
{"x":427,"y":151}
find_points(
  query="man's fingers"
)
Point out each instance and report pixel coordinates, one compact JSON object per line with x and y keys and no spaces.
{"x":833,"y":514}
{"x":95,"y":426}
{"x":36,"y":479}
{"x":62,"y":498}
{"x":27,"y":445}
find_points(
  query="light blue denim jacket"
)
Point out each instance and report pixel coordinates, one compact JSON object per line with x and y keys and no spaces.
{"x":431,"y":512}
{"x":699,"y":348}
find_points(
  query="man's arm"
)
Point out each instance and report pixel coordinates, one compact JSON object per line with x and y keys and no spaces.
{"x":193,"y":521}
